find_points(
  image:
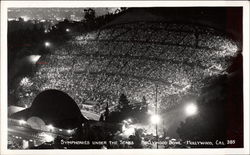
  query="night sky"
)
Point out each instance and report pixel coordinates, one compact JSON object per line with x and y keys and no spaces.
{"x":54,"y":13}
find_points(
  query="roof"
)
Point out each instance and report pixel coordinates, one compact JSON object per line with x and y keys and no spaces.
{"x":53,"y":107}
{"x":13,"y":109}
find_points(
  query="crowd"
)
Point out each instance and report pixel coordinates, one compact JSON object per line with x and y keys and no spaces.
{"x":135,"y":59}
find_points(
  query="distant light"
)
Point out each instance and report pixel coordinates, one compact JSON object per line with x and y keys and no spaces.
{"x":155,"y":119}
{"x":21,"y":122}
{"x":11,"y":19}
{"x":69,"y":131}
{"x":46,"y":31}
{"x":150,"y":112}
{"x":25,"y":18}
{"x":60,"y":129}
{"x":80,"y":38}
{"x":67,"y":30}
{"x":34,"y":58}
{"x":48,"y":138}
{"x":172,"y":139}
{"x":191,"y":109}
{"x":51,"y":127}
{"x":47,"y":44}
{"x":127,"y":131}
{"x":31,"y":140}
{"x":130,"y":120}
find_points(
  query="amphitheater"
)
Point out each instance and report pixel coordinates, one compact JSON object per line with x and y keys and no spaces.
{"x":136,"y":57}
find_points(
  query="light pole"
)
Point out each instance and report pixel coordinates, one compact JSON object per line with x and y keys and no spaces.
{"x":155,"y":119}
{"x":156,"y":113}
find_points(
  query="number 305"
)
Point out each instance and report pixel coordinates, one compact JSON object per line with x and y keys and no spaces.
{"x":230,"y":141}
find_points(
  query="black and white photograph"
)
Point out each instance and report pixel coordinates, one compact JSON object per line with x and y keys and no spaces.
{"x":125,"y":78}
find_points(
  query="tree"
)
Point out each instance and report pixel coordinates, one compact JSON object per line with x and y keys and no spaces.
{"x":123,"y":9}
{"x":89,"y":15}
{"x":123,"y":102}
{"x":101,"y":119}
{"x":20,"y":19}
{"x":144,"y":104}
{"x":106,"y":113}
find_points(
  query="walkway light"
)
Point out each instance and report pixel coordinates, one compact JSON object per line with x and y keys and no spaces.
{"x":51,"y":127}
{"x":67,"y":30}
{"x":69,"y":131}
{"x":47,"y":44}
{"x":34,"y":58}
{"x":191,"y":109}
{"x":21,"y":122}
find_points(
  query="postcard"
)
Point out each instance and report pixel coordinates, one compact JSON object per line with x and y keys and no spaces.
{"x":124,"y":77}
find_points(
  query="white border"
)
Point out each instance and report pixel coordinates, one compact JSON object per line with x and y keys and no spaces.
{"x":3,"y":135}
